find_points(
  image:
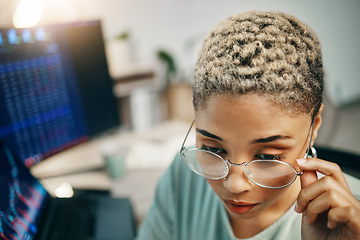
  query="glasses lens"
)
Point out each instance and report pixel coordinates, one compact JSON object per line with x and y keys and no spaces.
{"x":270,"y":173}
{"x":206,"y":163}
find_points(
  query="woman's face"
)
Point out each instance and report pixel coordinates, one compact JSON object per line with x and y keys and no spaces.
{"x":245,"y":128}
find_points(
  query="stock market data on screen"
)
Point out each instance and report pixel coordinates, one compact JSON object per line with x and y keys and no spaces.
{"x":55,"y":89}
{"x":22,"y":198}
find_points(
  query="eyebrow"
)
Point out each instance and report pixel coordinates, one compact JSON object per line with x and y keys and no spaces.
{"x":270,"y":139}
{"x":207,"y":134}
{"x":260,"y":140}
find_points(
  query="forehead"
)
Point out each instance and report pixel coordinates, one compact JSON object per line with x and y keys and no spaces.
{"x":249,"y":114}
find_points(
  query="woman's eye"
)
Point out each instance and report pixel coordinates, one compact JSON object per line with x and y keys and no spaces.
{"x":268,"y":157}
{"x":213,"y":149}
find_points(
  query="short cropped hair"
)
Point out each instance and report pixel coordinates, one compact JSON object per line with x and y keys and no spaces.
{"x":268,"y":53}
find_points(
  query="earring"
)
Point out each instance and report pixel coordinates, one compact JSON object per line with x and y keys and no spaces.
{"x":312,"y":153}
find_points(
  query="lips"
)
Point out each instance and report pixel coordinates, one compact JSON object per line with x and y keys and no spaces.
{"x":239,"y":207}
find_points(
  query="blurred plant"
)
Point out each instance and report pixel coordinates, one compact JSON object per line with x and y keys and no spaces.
{"x":171,"y":67}
{"x":125,"y":35}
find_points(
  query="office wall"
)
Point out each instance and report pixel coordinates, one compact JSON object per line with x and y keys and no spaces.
{"x":176,"y":24}
{"x":173,"y":24}
{"x":180,"y":25}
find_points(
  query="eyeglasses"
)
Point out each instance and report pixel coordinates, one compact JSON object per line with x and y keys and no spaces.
{"x":273,"y":174}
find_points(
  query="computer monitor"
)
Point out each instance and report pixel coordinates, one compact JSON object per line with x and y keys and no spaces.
{"x":23,"y":198}
{"x":55,"y":88}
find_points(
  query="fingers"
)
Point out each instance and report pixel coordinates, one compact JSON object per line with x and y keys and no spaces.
{"x":307,"y":178}
{"x":321,"y":203}
{"x":328,"y":197}
{"x":322,"y":195}
{"x":321,"y":166}
{"x":346,"y":215}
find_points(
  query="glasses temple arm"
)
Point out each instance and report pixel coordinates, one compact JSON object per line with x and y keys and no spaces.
{"x":311,"y":135}
{"x":187,"y":134}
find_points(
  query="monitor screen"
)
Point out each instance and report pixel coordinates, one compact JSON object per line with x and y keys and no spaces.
{"x":55,"y":88}
{"x":23,"y":198}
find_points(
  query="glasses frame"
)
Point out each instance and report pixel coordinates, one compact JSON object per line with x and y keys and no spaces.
{"x":228,"y":163}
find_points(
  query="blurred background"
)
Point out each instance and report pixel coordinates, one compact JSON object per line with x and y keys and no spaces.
{"x":159,"y":39}
{"x":151,"y":48}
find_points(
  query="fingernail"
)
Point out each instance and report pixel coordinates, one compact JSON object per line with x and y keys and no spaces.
{"x":331,"y":224}
{"x":301,"y":161}
{"x":296,"y":208}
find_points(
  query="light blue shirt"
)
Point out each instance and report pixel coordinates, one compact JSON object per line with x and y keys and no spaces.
{"x":186,"y":208}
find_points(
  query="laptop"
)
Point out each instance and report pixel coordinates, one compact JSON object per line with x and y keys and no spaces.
{"x":27,"y":211}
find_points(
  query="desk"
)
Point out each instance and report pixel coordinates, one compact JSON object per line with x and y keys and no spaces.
{"x":138,"y":185}
{"x":150,"y":153}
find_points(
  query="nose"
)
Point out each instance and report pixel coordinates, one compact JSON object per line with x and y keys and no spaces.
{"x":236,"y":181}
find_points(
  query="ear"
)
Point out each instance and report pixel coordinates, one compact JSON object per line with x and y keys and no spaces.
{"x":317,"y":123}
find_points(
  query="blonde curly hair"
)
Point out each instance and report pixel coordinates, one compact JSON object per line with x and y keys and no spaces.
{"x":268,"y":53}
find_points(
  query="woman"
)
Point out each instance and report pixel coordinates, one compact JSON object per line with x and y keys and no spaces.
{"x":257,"y":97}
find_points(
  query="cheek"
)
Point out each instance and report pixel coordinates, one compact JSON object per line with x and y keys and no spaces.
{"x":270,"y":195}
{"x":217,"y":186}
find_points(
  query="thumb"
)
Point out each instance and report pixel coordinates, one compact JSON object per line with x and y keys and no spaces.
{"x":308,"y":177}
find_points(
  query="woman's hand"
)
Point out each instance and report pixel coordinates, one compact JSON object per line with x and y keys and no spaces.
{"x":329,"y":209}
